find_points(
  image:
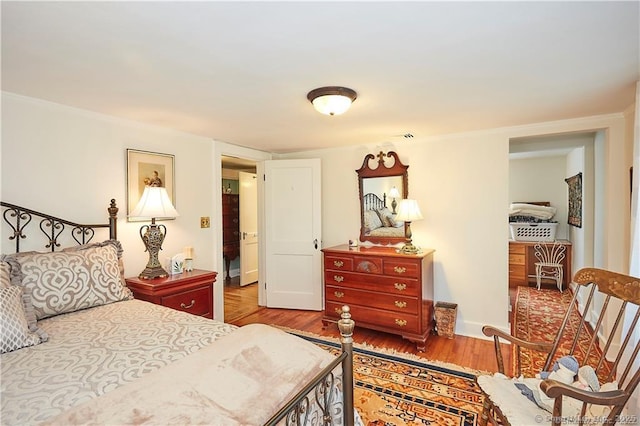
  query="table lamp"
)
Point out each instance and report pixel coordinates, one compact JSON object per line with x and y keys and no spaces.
{"x":394,"y":193}
{"x":154,"y":203}
{"x":408,"y":211}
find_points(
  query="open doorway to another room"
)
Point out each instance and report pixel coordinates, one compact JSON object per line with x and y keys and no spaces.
{"x":240,"y":237}
{"x":540,"y":167}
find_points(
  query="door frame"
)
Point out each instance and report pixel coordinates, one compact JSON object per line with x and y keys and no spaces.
{"x":221,"y":149}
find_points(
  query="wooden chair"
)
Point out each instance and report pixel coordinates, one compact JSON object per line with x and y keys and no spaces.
{"x":610,"y":296}
{"x":549,"y":262}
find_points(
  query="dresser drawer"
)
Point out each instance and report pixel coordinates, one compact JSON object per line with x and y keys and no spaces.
{"x":516,"y":259}
{"x":390,"y":302}
{"x":401,"y":322}
{"x":338,"y":263}
{"x":401,"y":268}
{"x":394,"y":285}
{"x":515,"y":248}
{"x":197,"y":301}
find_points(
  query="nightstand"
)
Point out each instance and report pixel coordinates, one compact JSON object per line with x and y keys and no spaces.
{"x":190,"y":292}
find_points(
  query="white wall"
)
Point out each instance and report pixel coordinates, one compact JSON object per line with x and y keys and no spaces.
{"x":460,"y":181}
{"x":70,"y":163}
{"x":541,"y":179}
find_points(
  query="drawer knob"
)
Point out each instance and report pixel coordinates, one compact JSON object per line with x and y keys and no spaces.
{"x":400,"y":286}
{"x":338,"y":278}
{"x":339,"y":294}
{"x":400,"y":269}
{"x":400,"y":304}
{"x":338,"y":263}
{"x":189,"y":306}
{"x":401,"y":322}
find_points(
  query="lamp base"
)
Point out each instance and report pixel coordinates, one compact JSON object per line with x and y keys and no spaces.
{"x":151,"y":273}
{"x":409,"y":249}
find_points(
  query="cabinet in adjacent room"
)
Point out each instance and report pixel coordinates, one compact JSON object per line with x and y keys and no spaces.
{"x":386,"y":290}
{"x":522,"y":263}
{"x":230,"y":229}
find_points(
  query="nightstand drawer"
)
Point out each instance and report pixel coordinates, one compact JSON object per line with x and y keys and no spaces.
{"x":197,"y":302}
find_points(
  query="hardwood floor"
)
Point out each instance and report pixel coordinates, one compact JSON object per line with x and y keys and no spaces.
{"x":241,"y":308}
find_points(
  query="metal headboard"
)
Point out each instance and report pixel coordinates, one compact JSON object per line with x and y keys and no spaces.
{"x":373,"y":202}
{"x":52,"y":227}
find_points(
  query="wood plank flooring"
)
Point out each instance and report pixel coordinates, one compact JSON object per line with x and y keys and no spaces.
{"x":241,"y":308}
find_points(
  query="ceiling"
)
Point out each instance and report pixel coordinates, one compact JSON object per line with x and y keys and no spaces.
{"x":239,"y":72}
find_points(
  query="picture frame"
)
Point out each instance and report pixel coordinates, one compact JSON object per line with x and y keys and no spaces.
{"x":574,"y":216}
{"x":144,"y":167}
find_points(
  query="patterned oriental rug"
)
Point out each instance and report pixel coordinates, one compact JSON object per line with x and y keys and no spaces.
{"x":538,"y":316}
{"x":401,"y":389}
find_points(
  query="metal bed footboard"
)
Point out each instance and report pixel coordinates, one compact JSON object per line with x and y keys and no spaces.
{"x":321,"y":388}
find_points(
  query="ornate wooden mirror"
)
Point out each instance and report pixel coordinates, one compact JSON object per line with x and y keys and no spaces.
{"x":381,"y":189}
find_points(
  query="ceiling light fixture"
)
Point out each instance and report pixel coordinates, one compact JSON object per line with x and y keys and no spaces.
{"x":332,"y":100}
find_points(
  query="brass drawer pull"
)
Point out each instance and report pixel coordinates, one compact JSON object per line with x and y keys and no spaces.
{"x":400,"y":269}
{"x":339,"y":294}
{"x":400,"y":304}
{"x":338,"y":310}
{"x":338,"y":278}
{"x":190,"y":305}
{"x":338,"y":263}
{"x":400,"y":286}
{"x":401,"y":322}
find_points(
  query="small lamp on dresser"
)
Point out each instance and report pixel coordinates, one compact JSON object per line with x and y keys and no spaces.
{"x":393,"y":194}
{"x":408,"y":211}
{"x":153,"y":204}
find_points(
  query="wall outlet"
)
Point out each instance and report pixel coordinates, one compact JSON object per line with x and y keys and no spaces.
{"x":205,"y":222}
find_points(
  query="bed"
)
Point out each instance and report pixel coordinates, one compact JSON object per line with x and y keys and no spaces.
{"x":78,"y":349}
{"x":378,"y":220}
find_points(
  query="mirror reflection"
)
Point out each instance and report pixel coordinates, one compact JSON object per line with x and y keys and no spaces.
{"x":380,"y":200}
{"x":381,"y":189}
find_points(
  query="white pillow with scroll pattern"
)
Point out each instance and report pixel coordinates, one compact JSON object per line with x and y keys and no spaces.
{"x":67,"y":281}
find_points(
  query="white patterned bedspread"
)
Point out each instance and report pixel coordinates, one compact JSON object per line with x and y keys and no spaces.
{"x":94,"y":351}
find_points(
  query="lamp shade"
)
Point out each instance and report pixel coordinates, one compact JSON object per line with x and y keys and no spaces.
{"x":332,"y":100}
{"x":408,"y":211}
{"x":154,"y":203}
{"x":394,"y":193}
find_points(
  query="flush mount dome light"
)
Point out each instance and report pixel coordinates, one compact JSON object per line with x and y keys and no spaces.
{"x":332,"y":100}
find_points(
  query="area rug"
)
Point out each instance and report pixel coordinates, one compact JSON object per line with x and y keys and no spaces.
{"x":393,"y":389}
{"x":538,"y":316}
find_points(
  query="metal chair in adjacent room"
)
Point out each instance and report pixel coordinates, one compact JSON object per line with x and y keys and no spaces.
{"x":549,"y":262}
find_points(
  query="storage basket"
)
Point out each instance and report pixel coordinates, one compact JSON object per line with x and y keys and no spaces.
{"x":446,"y":314}
{"x":533,"y":231}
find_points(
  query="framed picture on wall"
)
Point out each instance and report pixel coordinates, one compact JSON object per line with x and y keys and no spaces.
{"x":148,"y":168}
{"x":575,"y":200}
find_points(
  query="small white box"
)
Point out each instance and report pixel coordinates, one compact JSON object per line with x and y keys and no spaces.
{"x":521,"y":231}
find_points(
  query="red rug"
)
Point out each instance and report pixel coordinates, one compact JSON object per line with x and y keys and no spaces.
{"x":538,"y":316}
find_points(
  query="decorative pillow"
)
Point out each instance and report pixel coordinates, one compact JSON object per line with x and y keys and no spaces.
{"x":386,"y":217}
{"x":16,"y":332}
{"x":73,"y":279}
{"x":371,"y":221}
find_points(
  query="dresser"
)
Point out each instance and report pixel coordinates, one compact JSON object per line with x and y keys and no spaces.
{"x":190,"y":292}
{"x":522,"y":262}
{"x":385,"y":290}
{"x":230,"y":229}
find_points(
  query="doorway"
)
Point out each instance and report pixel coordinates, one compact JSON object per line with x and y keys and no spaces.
{"x":240,"y":237}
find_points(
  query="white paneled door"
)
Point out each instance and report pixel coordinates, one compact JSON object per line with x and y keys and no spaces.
{"x":293,"y":232}
{"x":248,"y":228}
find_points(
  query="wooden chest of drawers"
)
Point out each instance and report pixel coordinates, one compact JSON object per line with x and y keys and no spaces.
{"x":189,"y":292}
{"x":230,"y":229}
{"x":385,"y":290}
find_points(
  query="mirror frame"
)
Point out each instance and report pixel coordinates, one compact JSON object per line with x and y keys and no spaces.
{"x":381,"y":170}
